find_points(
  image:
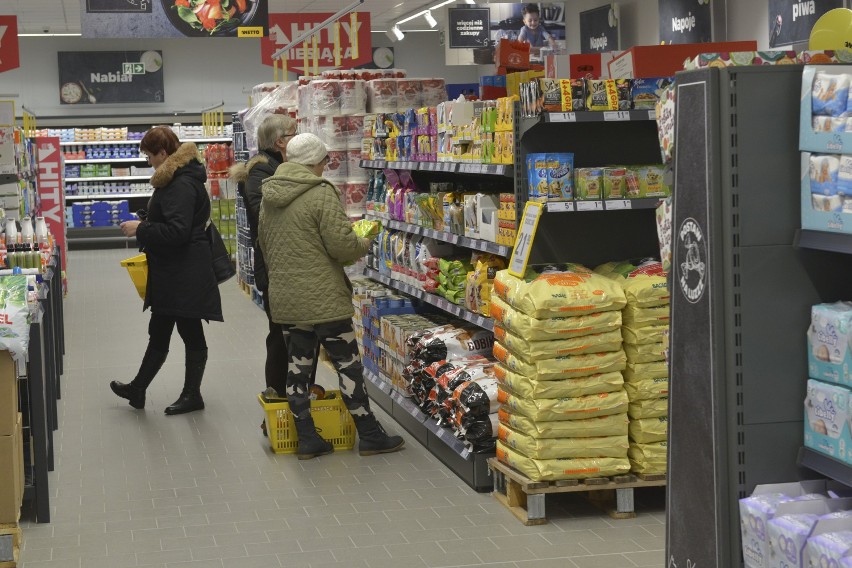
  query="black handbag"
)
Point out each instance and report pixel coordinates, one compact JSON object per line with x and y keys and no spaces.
{"x":223,"y":268}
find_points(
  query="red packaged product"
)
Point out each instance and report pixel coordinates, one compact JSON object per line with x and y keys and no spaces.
{"x":337,"y":167}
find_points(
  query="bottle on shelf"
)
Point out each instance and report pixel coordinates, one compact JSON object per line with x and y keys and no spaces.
{"x":11,"y":231}
{"x":27,"y":231}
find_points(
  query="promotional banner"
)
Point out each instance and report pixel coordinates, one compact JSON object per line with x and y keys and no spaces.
{"x":50,"y":190}
{"x":685,"y":21}
{"x":599,"y":30}
{"x":9,"y":53}
{"x":102,"y":77}
{"x":283,"y":28}
{"x":174,"y":18}
{"x":469,"y":27}
{"x":791,"y":21}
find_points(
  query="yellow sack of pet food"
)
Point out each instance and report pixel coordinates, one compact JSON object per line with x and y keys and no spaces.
{"x":642,"y":371}
{"x":648,"y":389}
{"x":559,"y":448}
{"x":533,"y":329}
{"x":526,"y":387}
{"x":578,"y":408}
{"x":573,"y":291}
{"x":647,"y":430}
{"x":644,"y":335}
{"x":648,"y":458}
{"x":565,"y":367}
{"x":612,"y":425}
{"x":645,"y":353}
{"x":554,"y":470}
{"x":656,"y":408}
{"x":537,"y":350}
{"x":636,"y":317}
{"x":644,"y":283}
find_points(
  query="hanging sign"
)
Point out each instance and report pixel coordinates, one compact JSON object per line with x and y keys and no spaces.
{"x":283,"y":28}
{"x":524,"y":240}
{"x":50,"y":190}
{"x":9,"y":51}
{"x":99,"y":77}
{"x":791,"y":21}
{"x":469,"y":27}
{"x":599,"y":30}
{"x":685,"y":21}
{"x":173,"y":18}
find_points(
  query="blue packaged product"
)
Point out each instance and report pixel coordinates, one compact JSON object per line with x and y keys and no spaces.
{"x":560,"y":175}
{"x":829,"y":94}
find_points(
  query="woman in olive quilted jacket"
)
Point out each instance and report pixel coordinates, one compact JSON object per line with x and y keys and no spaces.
{"x":306,"y":240}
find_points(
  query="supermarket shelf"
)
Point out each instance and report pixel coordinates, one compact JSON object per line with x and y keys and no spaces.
{"x":467,"y":242}
{"x":197,"y":140}
{"x":91,"y":234}
{"x":9,"y":178}
{"x":820,"y":240}
{"x":449,"y":167}
{"x":109,"y":196}
{"x":600,"y":116}
{"x":605,"y":205}
{"x":105,"y":161}
{"x":437,"y":301}
{"x":110,"y":178}
{"x":825,"y":465}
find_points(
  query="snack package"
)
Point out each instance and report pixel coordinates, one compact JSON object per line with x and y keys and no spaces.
{"x":602,"y":94}
{"x":579,"y":408}
{"x":553,"y":470}
{"x":646,"y":92}
{"x":526,"y":387}
{"x":589,"y":184}
{"x":534,"y":329}
{"x":612,"y":425}
{"x":543,"y":449}
{"x":648,"y":430}
{"x":367,"y":228}
{"x":539,"y":350}
{"x":829,"y":94}
{"x":614,"y":183}
{"x":560,"y":176}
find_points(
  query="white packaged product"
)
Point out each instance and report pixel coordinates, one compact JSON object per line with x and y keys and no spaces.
{"x":354,"y":197}
{"x":382,"y":96}
{"x":353,"y":96}
{"x":335,"y":131}
{"x":408,"y":93}
{"x":353,"y":167}
{"x":325,"y":97}
{"x":433,"y":91}
{"x":337,"y":168}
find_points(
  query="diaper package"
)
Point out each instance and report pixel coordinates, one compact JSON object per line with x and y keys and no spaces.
{"x":826,"y":420}
{"x":828,"y":549}
{"x":535,"y":329}
{"x":612,"y":425}
{"x":829,"y":337}
{"x":556,"y":469}
{"x":787,"y":536}
{"x":559,"y":448}
{"x":526,"y":387}
{"x":829,"y":94}
{"x":579,"y":408}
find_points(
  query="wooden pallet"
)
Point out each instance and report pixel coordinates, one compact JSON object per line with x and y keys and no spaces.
{"x":10,"y":545}
{"x":525,"y":497}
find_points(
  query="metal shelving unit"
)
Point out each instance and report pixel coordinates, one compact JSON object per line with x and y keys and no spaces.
{"x":105,"y":160}
{"x":447,"y":237}
{"x":210,"y":140}
{"x":604,"y":205}
{"x":820,"y":240}
{"x":600,"y":116}
{"x":447,"y":167}
{"x":109,"y":178}
{"x":108,"y":196}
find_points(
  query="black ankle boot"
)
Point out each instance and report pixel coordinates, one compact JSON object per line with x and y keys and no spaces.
{"x":190,"y":397}
{"x":372,"y":438}
{"x":311,"y":443}
{"x":134,"y":391}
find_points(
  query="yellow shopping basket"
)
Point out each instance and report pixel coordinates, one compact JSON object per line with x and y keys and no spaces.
{"x":137,"y":267}
{"x":332,"y":420}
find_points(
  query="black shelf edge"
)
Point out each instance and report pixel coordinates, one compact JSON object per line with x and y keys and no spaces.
{"x":437,"y":301}
{"x":600,"y":116}
{"x":604,"y":205}
{"x":821,"y":240}
{"x":506,"y":170}
{"x":452,"y":238}
{"x":825,"y":465}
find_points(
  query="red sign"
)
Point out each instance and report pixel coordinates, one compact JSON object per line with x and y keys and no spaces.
{"x":283,"y":28}
{"x":50,"y":190}
{"x":9,"y":58}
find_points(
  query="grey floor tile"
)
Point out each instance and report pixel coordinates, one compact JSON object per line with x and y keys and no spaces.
{"x":602,"y":561}
{"x":652,"y":558}
{"x":267,"y":561}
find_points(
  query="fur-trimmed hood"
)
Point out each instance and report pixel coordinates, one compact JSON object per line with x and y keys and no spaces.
{"x":185,"y":155}
{"x":240,"y":172}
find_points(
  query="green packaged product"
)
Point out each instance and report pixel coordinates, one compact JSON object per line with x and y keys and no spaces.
{"x":588,"y":184}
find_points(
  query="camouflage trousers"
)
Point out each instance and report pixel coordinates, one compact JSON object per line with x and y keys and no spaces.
{"x":338,"y":339}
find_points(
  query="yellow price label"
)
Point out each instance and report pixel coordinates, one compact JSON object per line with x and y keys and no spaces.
{"x":250,"y":31}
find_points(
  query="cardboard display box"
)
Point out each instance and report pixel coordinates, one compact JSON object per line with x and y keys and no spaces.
{"x":645,"y":61}
{"x":8,"y":394}
{"x":11,"y":474}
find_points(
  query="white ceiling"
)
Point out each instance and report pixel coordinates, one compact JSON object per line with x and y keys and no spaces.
{"x":63,"y":16}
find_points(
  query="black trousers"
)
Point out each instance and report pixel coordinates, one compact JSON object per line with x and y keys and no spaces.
{"x":160,"y":332}
{"x":276,"y":353}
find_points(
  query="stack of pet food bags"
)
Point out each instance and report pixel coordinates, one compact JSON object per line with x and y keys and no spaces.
{"x":559,"y":348}
{"x":451,"y":377}
{"x":646,"y":325}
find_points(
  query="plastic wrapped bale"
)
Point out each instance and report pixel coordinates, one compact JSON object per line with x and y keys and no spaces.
{"x":643,"y":371}
{"x":649,"y":389}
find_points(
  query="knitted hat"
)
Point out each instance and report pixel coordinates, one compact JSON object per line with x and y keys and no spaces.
{"x":306,"y":149}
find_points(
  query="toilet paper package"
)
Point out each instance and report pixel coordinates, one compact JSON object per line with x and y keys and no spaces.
{"x":758,"y":509}
{"x":829,"y":336}
{"x":826,"y":420}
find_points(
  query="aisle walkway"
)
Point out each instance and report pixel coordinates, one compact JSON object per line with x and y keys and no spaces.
{"x":137,"y":488}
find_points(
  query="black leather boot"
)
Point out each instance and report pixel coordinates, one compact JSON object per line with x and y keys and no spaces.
{"x":372,"y":438}
{"x":311,"y":443}
{"x":134,"y":391}
{"x":190,"y":397}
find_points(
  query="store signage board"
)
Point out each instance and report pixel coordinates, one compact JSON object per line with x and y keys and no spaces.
{"x":685,"y":21}
{"x":50,"y":190}
{"x":283,"y":28}
{"x":173,"y":18}
{"x":792,"y":21}
{"x":697,"y":496}
{"x":599,"y":30}
{"x":9,"y":49}
{"x":469,"y":27}
{"x":104,"y":77}
{"x":524,"y":240}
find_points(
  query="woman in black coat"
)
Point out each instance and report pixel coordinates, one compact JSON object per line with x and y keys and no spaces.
{"x":182,"y":288}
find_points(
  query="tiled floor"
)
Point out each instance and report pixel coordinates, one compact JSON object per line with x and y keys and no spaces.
{"x":137,"y":488}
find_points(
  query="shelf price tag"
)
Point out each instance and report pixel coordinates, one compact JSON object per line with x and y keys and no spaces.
{"x":589,"y":206}
{"x":524,"y":240}
{"x":615,"y":204}
{"x":652,"y":115}
{"x":493,"y":170}
{"x":560,"y":206}
{"x":617,"y":115}
{"x":454,"y":238}
{"x":563,"y":117}
{"x":503,"y":250}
